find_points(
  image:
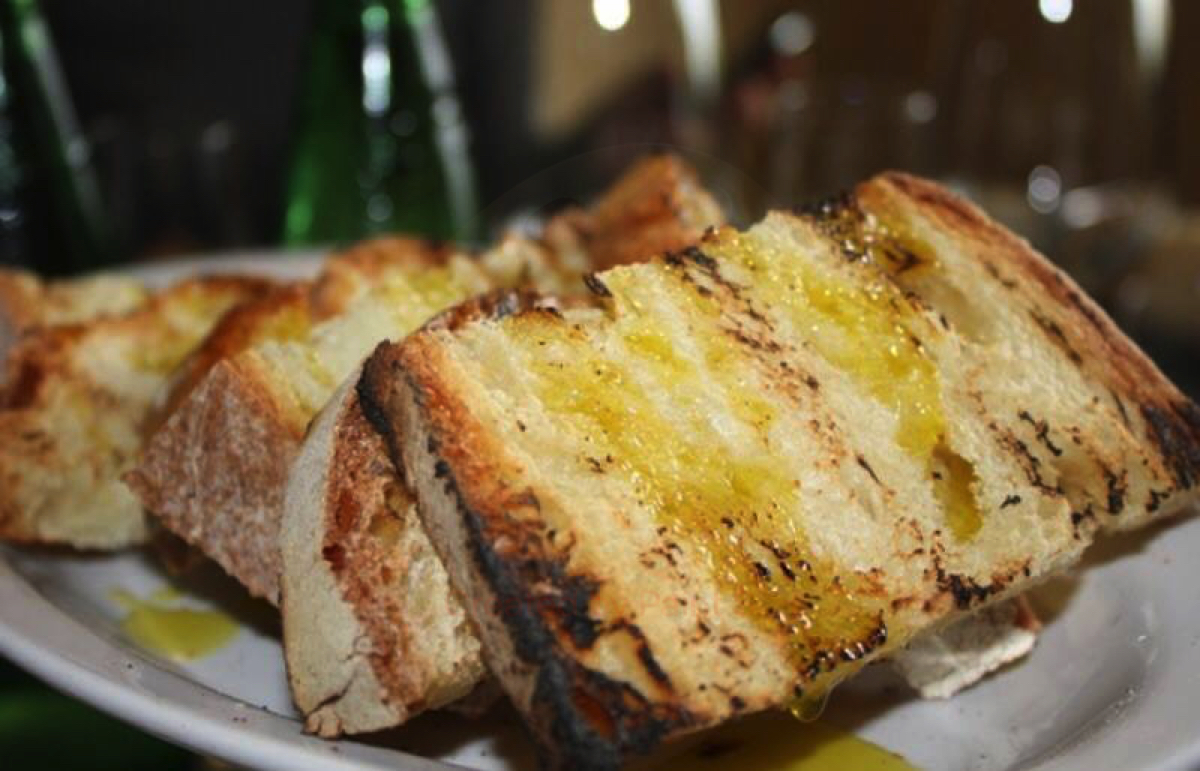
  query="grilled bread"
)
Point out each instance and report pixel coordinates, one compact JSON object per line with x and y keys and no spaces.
{"x":771,"y":459}
{"x":215,"y":472}
{"x":360,"y":579}
{"x":373,"y":632}
{"x":76,"y":399}
{"x":27,"y":302}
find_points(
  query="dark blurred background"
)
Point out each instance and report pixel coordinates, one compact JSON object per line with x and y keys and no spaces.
{"x":192,"y":126}
{"x":220,"y":125}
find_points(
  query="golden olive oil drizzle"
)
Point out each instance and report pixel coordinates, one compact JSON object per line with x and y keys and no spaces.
{"x":157,"y":624}
{"x":738,"y":512}
{"x":869,"y":329}
{"x":772,"y":743}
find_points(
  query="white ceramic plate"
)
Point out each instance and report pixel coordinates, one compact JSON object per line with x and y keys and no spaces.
{"x":1114,"y":682}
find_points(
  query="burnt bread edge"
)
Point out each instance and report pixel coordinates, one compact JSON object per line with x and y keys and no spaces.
{"x":1171,"y":419}
{"x":581,"y":718}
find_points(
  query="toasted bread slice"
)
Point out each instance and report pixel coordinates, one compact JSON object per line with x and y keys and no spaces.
{"x":771,"y":459}
{"x":656,"y":207}
{"x":74,"y":405}
{"x":214,"y":470}
{"x":373,"y":632}
{"x":215,"y":473}
{"x":27,"y":302}
{"x":362,"y":652}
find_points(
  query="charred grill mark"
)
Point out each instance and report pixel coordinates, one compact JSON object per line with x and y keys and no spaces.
{"x":753,"y":343}
{"x":1176,"y":434}
{"x":781,"y":556}
{"x":853,"y":652}
{"x":965,"y":590}
{"x":666,"y":554}
{"x":1154,"y":501}
{"x":709,"y":267}
{"x":709,"y":264}
{"x":571,"y":606}
{"x":1120,"y":407}
{"x":903,"y":259}
{"x":592,"y":719}
{"x":1190,"y":413}
{"x":1055,"y":334}
{"x":1116,"y":487}
{"x":994,"y":272}
{"x":596,"y":286}
{"x":1030,"y":463}
{"x":595,"y":721}
{"x":644,"y":653}
{"x":1078,"y":517}
{"x":867,"y":467}
{"x":1010,"y":500}
{"x":822,"y":660}
{"x":1042,"y":429}
{"x":847,"y":650}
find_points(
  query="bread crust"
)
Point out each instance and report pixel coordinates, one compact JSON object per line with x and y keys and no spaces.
{"x":216,"y":465}
{"x":373,"y":632}
{"x":582,"y":718}
{"x":657,"y":206}
{"x":75,"y":403}
{"x":27,"y":303}
{"x":233,"y":420}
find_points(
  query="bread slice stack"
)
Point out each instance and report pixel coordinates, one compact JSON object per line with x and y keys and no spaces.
{"x":215,"y":472}
{"x":769,"y":459}
{"x":84,"y":370}
{"x":28,"y":303}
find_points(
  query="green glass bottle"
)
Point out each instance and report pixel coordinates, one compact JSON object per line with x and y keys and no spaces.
{"x":51,"y":218}
{"x":381,"y":144}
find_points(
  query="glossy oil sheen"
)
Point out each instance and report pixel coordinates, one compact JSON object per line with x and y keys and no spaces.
{"x":739,"y":510}
{"x":773,"y":743}
{"x":158,"y":625}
